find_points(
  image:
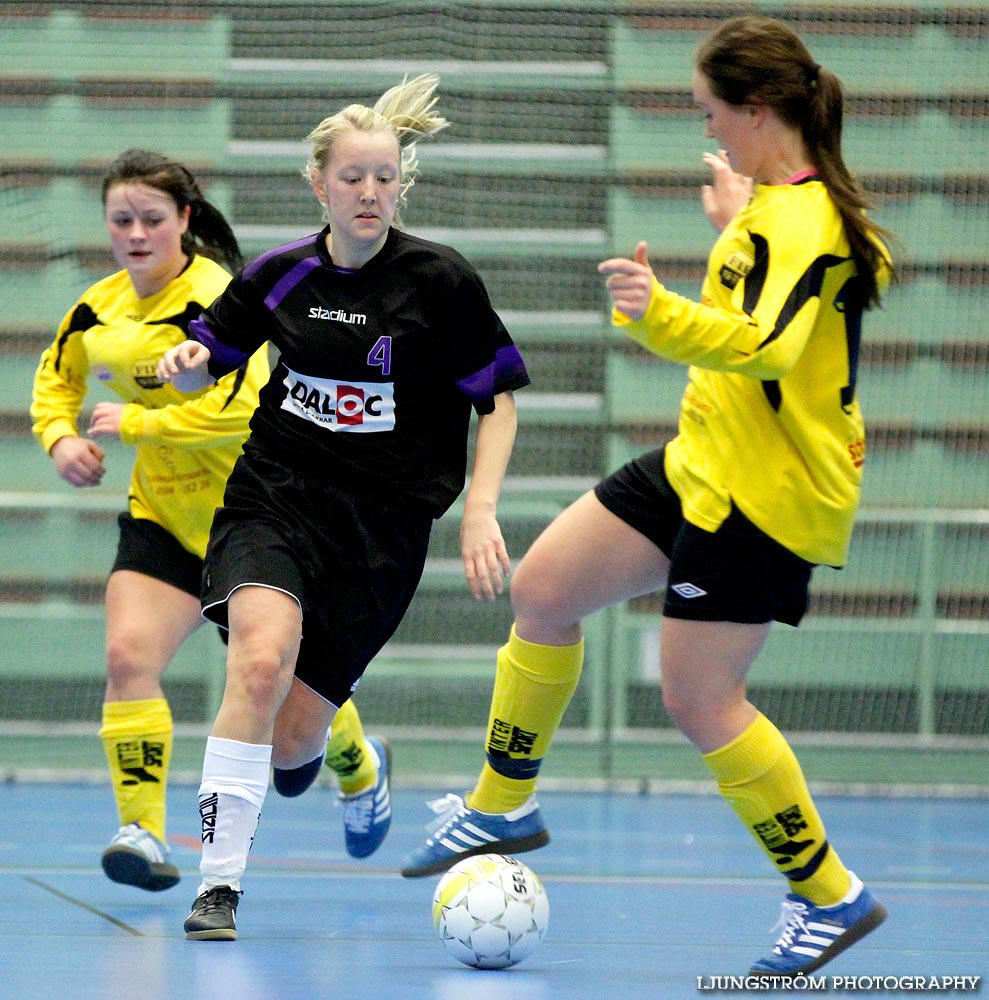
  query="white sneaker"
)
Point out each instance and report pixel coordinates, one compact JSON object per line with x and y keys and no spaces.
{"x":136,"y":857}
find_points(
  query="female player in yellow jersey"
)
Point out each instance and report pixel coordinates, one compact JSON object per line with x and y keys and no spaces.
{"x":760,"y":484}
{"x":167,"y":238}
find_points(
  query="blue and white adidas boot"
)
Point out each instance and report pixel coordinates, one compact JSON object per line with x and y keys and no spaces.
{"x":367,"y":815}
{"x":460,"y":832}
{"x":813,"y":935}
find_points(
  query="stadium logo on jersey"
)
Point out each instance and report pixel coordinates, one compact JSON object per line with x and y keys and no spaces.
{"x":356,"y":407}
{"x":688,"y":590}
{"x":736,"y":266}
{"x":337,"y":315}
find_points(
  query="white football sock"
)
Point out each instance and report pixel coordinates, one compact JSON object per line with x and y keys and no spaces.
{"x":235,"y":781}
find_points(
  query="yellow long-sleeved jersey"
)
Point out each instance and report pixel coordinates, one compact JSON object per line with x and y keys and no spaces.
{"x":769,"y":418}
{"x":186,"y":444}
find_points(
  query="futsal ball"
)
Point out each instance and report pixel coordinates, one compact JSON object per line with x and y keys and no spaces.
{"x":490,"y":911}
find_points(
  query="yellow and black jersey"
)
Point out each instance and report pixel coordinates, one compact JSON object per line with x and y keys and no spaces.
{"x":769,"y":419}
{"x":186,"y":444}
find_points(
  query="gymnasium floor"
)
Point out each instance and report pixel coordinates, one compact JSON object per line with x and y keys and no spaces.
{"x":651,"y":896}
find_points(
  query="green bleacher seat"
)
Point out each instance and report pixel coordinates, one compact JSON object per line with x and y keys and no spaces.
{"x":68,"y":130}
{"x":918,"y":55}
{"x":657,"y":136}
{"x":552,"y":34}
{"x":925,"y":470}
{"x":78,"y":93}
{"x":811,"y":656}
{"x":925,"y":390}
{"x":928,"y":307}
{"x":82,"y":43}
{"x":59,"y":545}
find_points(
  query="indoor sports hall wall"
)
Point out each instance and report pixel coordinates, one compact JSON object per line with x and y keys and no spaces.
{"x":573,"y":136}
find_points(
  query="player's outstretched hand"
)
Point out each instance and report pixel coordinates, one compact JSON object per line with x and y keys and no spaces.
{"x":486,"y":562}
{"x":727,"y":193}
{"x":185,"y":366}
{"x":629,"y":282}
{"x":78,"y":461}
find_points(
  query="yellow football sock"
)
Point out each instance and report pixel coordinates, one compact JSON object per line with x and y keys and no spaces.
{"x":760,"y":778}
{"x":533,"y":687}
{"x":347,"y":752}
{"x":137,"y":738}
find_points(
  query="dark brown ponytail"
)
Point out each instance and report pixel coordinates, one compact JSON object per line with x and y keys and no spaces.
{"x":209,"y":233}
{"x":759,"y":59}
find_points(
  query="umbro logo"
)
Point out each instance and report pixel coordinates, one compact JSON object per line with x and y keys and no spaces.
{"x":688,"y":590}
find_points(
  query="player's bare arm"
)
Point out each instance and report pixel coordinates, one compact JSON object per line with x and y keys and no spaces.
{"x":482,"y":546}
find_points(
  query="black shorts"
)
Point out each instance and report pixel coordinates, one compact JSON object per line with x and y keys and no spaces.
{"x":146,"y":547}
{"x":735,"y":574}
{"x":351,"y":560}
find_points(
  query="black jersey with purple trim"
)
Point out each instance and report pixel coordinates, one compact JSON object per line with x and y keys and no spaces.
{"x":378,"y":368}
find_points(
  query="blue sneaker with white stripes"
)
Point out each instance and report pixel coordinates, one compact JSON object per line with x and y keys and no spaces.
{"x":367,"y":815}
{"x":460,"y":832}
{"x":813,"y":935}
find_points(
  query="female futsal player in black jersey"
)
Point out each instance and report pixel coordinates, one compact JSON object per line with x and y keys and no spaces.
{"x":359,"y":442}
{"x":760,"y":484}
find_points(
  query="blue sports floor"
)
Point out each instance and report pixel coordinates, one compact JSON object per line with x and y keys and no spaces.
{"x":651,"y":897}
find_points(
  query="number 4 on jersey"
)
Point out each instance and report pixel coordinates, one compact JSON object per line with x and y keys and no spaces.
{"x":380,"y":355}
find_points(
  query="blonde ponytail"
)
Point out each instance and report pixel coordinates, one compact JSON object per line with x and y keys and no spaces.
{"x":407,"y":111}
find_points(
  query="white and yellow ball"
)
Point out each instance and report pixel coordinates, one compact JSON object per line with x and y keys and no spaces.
{"x":490,"y":911}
